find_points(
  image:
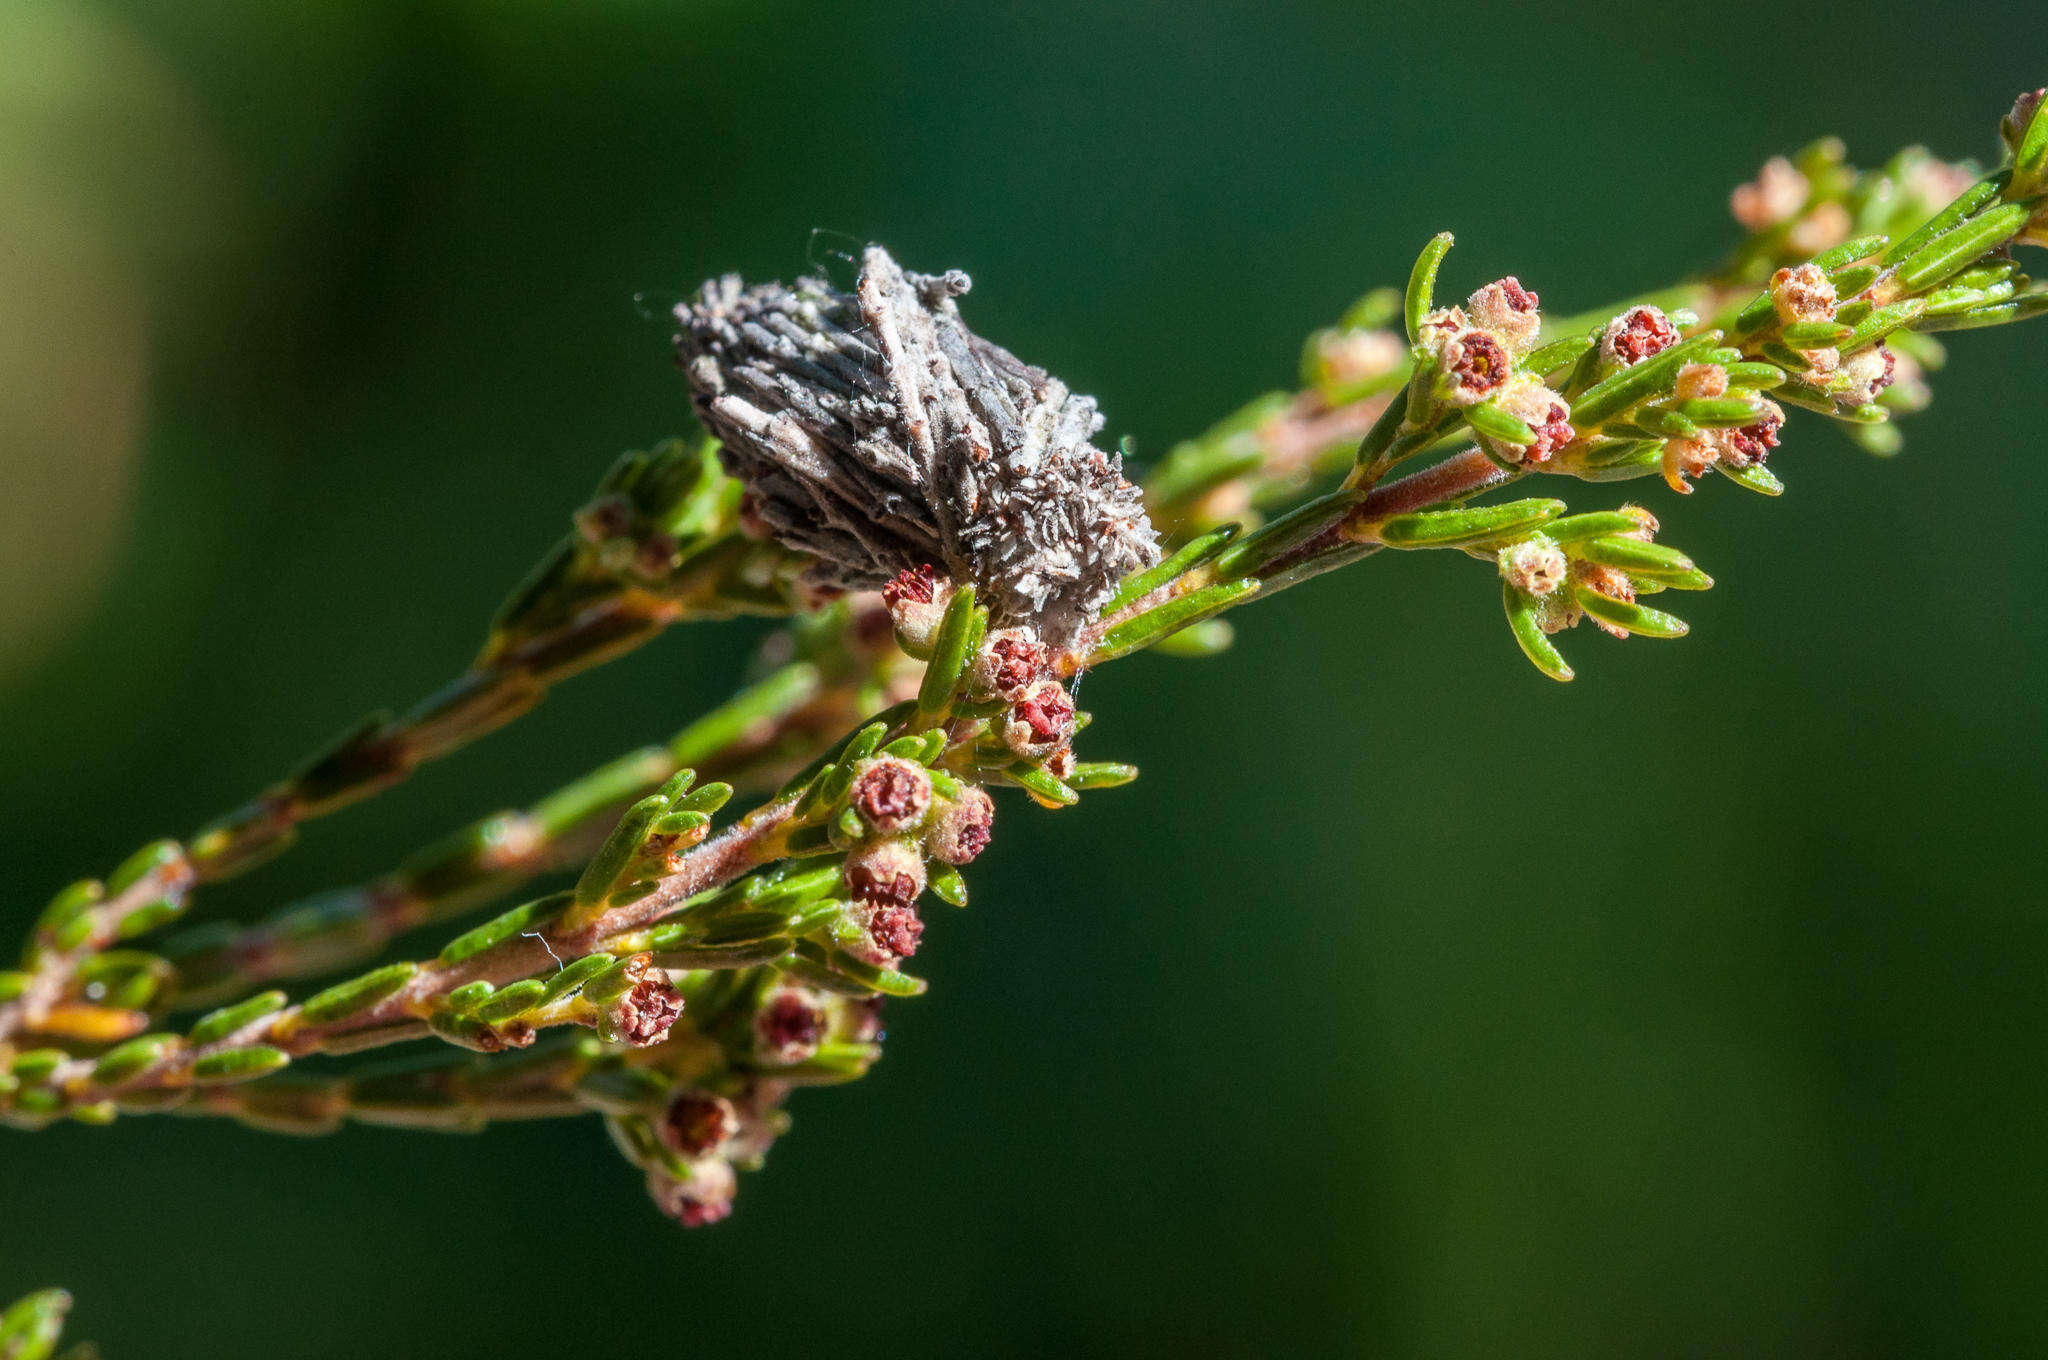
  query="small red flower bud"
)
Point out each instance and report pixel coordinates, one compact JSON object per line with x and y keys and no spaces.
{"x":1752,"y":443}
{"x":2013,"y":126}
{"x":1543,"y":411}
{"x":891,"y":793}
{"x":1636,"y":335}
{"x":790,"y":1025}
{"x":644,"y":1012}
{"x":1060,"y":764}
{"x":698,"y":1124}
{"x":700,"y":1213}
{"x":890,"y":873}
{"x":961,"y":830}
{"x":1009,"y":662}
{"x":917,"y":601}
{"x":1615,"y":585}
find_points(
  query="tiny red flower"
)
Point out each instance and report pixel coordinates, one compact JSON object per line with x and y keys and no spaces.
{"x":697,"y":1123}
{"x":896,"y":930}
{"x":891,"y":793}
{"x":916,"y":586}
{"x":1638,"y":334}
{"x":790,"y":1025}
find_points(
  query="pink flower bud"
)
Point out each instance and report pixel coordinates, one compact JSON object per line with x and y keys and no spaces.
{"x":1507,"y":311}
{"x":706,"y":1197}
{"x":1778,"y":192}
{"x":1607,"y":581}
{"x":1865,"y":374}
{"x":893,"y":933}
{"x":1827,"y":226}
{"x":789,"y":1027}
{"x":1697,"y":381}
{"x":1353,"y":357}
{"x":1543,"y":411}
{"x":1535,"y":566}
{"x":1683,"y":458}
{"x":961,"y":830}
{"x":917,"y":601}
{"x":699,"y":1124}
{"x":1803,"y":294}
{"x":1750,"y":444}
{"x":888,"y":872}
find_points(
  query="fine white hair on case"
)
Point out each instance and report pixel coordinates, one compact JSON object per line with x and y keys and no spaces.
{"x":877,"y":433}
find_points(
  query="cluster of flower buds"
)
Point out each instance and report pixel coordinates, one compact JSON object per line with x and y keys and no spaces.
{"x":1474,"y":350}
{"x":1037,"y":723}
{"x":693,"y":1150}
{"x":904,"y":820}
{"x":1595,"y":566}
{"x":900,"y":814}
{"x":1799,"y":207}
{"x":1782,"y":199}
{"x":1736,"y":446}
{"x":1012,"y":667}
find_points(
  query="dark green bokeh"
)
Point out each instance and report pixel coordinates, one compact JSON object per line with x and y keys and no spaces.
{"x":1409,"y":1004}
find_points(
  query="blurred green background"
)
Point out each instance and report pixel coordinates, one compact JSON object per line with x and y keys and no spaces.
{"x":1409,"y":1005}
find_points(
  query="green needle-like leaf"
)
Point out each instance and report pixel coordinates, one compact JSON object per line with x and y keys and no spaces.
{"x":239,"y":1064}
{"x":357,"y":994}
{"x":1946,"y":255}
{"x":1189,"y":555}
{"x":1535,"y":644}
{"x":1467,"y":526}
{"x":1421,"y":295}
{"x":1142,"y":630}
{"x":1619,"y":391}
{"x":217,"y":1025}
{"x":1491,"y":421}
{"x":1637,"y":619}
{"x":950,"y":649}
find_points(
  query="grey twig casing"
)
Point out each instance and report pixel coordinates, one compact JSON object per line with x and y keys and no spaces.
{"x":878,"y":433}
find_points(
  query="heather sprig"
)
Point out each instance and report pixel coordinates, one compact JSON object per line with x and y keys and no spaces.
{"x":749,"y":892}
